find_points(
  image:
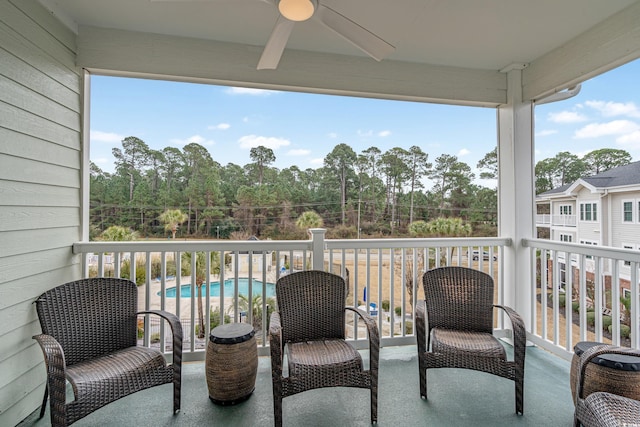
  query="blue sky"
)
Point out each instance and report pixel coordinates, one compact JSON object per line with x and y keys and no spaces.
{"x":302,"y":129}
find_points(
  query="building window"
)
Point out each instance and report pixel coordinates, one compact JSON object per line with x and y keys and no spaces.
{"x":566,"y":237}
{"x":589,"y":212}
{"x":589,"y":242}
{"x":628,"y":246}
{"x":627,"y":211}
{"x":566,"y":210}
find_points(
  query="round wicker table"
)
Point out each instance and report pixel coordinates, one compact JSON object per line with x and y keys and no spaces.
{"x":232,"y":363}
{"x":613,"y":373}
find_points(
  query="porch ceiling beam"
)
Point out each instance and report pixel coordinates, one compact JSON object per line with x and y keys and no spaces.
{"x":608,"y":45}
{"x":118,"y":52}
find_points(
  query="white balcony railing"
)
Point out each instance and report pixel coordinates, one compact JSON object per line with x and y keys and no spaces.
{"x":582,"y":301}
{"x":569,"y":304}
{"x":383,"y":276}
{"x":557,"y":220}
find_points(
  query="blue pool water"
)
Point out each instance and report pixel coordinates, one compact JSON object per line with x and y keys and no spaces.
{"x":229,"y":289}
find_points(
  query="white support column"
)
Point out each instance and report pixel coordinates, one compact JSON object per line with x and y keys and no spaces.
{"x":317,"y":236}
{"x":516,"y":192}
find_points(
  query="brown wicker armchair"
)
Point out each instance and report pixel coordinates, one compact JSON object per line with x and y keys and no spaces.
{"x":454,"y":326}
{"x":89,"y":336}
{"x":603,"y":409}
{"x":309,"y":327}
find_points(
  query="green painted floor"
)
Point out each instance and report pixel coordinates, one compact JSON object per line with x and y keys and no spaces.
{"x":457,"y":397}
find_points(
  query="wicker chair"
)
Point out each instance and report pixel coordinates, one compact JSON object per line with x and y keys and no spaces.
{"x":310,"y":328}
{"x":603,"y":409}
{"x":454,"y":326}
{"x":89,"y":336}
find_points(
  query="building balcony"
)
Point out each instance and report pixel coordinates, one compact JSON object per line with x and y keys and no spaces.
{"x":383,"y":276}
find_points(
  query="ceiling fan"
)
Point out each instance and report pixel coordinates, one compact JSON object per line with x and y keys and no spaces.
{"x":292,"y":11}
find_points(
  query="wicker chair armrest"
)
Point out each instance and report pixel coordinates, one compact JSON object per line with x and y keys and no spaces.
{"x":55,"y":365}
{"x":275,"y":344}
{"x":598,"y":350}
{"x":372,"y":331}
{"x":517,"y":326}
{"x":176,"y":332}
{"x":421,"y":329}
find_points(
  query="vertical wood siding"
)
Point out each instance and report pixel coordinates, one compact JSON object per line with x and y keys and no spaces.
{"x":40,"y":180}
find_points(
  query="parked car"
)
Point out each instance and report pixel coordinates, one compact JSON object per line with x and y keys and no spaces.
{"x":475,"y":255}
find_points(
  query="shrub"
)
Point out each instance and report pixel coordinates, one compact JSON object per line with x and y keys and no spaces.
{"x":408,"y":327}
{"x":625,"y":331}
{"x":215,"y":318}
{"x":386,"y":304}
{"x":398,"y":311}
{"x":606,"y":322}
{"x":575,"y":306}
{"x":591,"y":318}
{"x":562,"y":300}
{"x":155,"y":337}
{"x":590,"y":309}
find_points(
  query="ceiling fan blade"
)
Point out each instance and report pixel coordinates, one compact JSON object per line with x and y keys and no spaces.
{"x":275,"y":45}
{"x":359,"y":36}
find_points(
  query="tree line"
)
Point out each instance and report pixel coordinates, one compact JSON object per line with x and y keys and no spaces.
{"x":372,"y":193}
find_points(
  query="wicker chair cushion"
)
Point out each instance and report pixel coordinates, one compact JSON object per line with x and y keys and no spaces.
{"x":606,"y":409}
{"x":323,"y":358}
{"x":115,"y":371}
{"x":469,"y":344}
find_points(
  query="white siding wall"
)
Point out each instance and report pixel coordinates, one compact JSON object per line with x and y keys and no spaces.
{"x":40,"y":177}
{"x":624,"y":232}
{"x":590,"y":230}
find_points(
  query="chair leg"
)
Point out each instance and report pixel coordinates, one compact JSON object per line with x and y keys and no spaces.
{"x":423,"y":378}
{"x":374,"y":405}
{"x":519,"y":396}
{"x":176,"y":395}
{"x":44,"y":401}
{"x":277,"y":410}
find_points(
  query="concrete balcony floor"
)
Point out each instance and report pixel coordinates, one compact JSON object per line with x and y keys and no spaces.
{"x":457,"y":397}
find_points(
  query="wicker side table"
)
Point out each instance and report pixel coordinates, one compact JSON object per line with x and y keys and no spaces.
{"x":613,"y":373}
{"x":232,"y":363}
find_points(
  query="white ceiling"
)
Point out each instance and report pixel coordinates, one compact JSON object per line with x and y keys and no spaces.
{"x":471,"y":34}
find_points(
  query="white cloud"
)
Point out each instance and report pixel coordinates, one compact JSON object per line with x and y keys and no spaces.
{"x":252,"y":141}
{"x":195,"y":138}
{"x":384,"y":133}
{"x":298,"y":152}
{"x":317,"y":161}
{"x":365,"y":133}
{"x":613,"y":109}
{"x":566,"y":117}
{"x":463,"y":152}
{"x":102,"y":161}
{"x":220,"y":126}
{"x":630,"y":138}
{"x":547,"y":132}
{"x":110,"y":137}
{"x":333,"y":135}
{"x":245,"y":119}
{"x":615,"y":127}
{"x":249,"y":91}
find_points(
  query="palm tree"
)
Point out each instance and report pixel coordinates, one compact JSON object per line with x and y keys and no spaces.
{"x":171,"y":219}
{"x":201,"y":278}
{"x":256,"y":308}
{"x":449,"y":227}
{"x":309,"y":219}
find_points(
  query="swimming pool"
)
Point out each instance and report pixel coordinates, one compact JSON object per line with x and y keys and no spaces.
{"x":229,"y":289}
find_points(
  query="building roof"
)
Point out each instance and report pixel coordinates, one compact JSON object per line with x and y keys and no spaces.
{"x":622,"y":176}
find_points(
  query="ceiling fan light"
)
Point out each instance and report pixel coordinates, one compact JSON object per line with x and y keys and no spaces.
{"x":296,"y":10}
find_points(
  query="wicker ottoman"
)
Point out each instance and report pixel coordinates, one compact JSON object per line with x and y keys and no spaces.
{"x":614,"y":373}
{"x":232,"y":363}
